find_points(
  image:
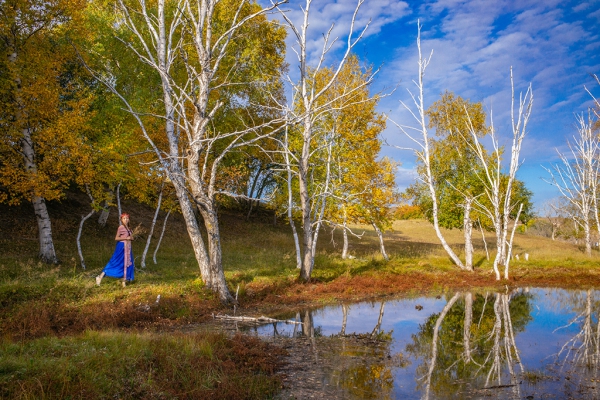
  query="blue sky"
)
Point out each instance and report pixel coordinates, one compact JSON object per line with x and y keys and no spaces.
{"x":554,"y":45}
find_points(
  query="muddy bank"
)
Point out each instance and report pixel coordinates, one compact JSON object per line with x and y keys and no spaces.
{"x":321,"y":367}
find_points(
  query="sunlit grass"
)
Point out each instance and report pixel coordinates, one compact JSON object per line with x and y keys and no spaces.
{"x":123,"y":365}
{"x":39,"y":302}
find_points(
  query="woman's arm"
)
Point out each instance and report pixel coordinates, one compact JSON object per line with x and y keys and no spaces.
{"x":122,"y":234}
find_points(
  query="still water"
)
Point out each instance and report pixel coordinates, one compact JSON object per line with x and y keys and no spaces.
{"x":524,"y":343}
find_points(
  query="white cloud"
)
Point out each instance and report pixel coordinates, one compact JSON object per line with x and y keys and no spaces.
{"x":551,"y":44}
{"x":595,"y":14}
{"x":337,"y":16}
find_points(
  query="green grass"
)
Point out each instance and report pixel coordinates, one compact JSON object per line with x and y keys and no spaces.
{"x":121,"y":365}
{"x":58,"y":327}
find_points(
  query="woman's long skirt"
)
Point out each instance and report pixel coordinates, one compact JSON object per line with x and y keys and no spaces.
{"x":116,"y":265}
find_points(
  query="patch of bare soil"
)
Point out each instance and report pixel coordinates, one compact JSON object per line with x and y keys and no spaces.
{"x":344,"y":367}
{"x":306,"y":372}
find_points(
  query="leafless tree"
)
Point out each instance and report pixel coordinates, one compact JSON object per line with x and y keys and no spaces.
{"x":498,"y":186}
{"x":422,"y":150}
{"x":576,"y":177}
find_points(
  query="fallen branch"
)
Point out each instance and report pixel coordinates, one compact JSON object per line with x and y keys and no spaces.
{"x":259,"y":320}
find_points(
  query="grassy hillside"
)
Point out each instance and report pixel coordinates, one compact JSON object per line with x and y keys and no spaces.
{"x":58,"y":327}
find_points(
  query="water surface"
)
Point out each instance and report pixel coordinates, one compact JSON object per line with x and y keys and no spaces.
{"x":525,"y":343}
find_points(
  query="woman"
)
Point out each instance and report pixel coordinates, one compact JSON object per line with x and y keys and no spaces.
{"x":121,"y":263}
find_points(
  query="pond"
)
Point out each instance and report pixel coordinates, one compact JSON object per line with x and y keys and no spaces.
{"x":524,"y":343}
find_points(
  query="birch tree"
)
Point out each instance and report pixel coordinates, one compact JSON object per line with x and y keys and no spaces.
{"x":42,"y":114}
{"x":307,"y":108}
{"x":453,"y":165}
{"x":420,"y":136}
{"x":217,"y":64}
{"x":576,"y":178}
{"x":500,"y":185}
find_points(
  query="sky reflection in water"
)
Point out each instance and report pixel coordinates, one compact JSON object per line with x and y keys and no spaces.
{"x":552,"y":332}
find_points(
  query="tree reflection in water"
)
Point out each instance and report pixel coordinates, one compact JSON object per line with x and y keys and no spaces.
{"x":360,"y":365}
{"x":579,"y":357}
{"x":485,"y":357}
{"x":467,"y":349}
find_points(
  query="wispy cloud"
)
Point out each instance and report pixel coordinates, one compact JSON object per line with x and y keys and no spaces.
{"x":552,"y":44}
{"x":337,"y":16}
{"x":549,"y":44}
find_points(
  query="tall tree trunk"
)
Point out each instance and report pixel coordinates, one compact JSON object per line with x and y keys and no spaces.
{"x":47,"y":253}
{"x":588,"y":238}
{"x":291,"y":203}
{"x":193,"y":229}
{"x":217,"y":276}
{"x":307,"y":245}
{"x":345,"y":245}
{"x":499,"y":259}
{"x":425,"y":156}
{"x":509,"y":245}
{"x":468,"y":233}
{"x":345,"y":233}
{"x":381,"y":245}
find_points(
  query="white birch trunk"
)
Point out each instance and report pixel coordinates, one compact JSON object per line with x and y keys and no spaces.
{"x":46,"y":253}
{"x":423,"y":152}
{"x":345,"y":244}
{"x":510,"y":243}
{"x":291,"y":202}
{"x":46,"y":244}
{"x":501,"y":198}
{"x":577,"y":179}
{"x":381,"y":244}
{"x":162,"y":233}
{"x":78,"y":239}
{"x":468,"y":234}
{"x":149,"y":239}
{"x":308,"y":96}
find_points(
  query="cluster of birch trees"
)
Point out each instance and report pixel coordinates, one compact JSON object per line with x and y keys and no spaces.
{"x":577,"y":176}
{"x":458,"y":176}
{"x":183,"y":104}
